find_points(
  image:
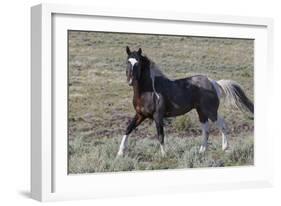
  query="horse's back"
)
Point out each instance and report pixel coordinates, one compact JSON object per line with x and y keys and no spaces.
{"x":199,"y":81}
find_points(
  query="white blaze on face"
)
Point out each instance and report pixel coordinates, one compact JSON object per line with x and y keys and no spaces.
{"x":132,"y":61}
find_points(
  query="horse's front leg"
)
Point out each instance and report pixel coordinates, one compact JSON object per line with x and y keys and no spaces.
{"x":133,"y":124}
{"x":158,"y":118}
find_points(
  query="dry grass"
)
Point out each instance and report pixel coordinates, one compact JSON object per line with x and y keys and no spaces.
{"x":99,"y":155}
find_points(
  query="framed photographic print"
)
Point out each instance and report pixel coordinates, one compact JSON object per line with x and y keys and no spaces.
{"x":138,"y":102}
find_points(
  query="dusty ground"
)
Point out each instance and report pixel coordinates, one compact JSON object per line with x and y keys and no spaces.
{"x":100,"y":102}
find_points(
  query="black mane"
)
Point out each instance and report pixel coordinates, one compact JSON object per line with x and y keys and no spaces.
{"x":153,"y":67}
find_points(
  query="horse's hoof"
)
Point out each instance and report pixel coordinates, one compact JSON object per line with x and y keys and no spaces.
{"x":120,"y":154}
{"x":224,"y":147}
{"x":202,"y":149}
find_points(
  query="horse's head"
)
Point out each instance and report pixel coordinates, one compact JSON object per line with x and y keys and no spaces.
{"x":133,"y":70}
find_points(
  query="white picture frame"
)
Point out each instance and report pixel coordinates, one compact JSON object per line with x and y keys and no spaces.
{"x":49,"y":178}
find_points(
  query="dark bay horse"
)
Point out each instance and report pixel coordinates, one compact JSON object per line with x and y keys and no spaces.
{"x":157,"y":97}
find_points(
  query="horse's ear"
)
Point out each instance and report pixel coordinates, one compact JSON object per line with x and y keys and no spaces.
{"x":128,"y":50}
{"x":139,"y":51}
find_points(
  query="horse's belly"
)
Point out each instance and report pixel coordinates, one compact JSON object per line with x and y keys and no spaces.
{"x":180,"y":107}
{"x":177,"y":112}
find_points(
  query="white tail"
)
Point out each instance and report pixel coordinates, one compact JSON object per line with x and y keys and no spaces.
{"x":233,"y":94}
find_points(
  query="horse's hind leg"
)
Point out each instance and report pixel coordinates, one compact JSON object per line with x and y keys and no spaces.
{"x":222,"y":127}
{"x":205,"y":135}
{"x":133,"y":124}
{"x":205,"y":130}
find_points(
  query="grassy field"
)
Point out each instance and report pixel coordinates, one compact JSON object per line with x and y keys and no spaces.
{"x":100,"y":102}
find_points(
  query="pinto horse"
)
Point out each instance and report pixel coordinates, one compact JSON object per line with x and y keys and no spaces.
{"x":156,"y":97}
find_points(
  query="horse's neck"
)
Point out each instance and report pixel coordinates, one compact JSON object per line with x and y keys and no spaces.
{"x":142,"y":85}
{"x":136,"y":89}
